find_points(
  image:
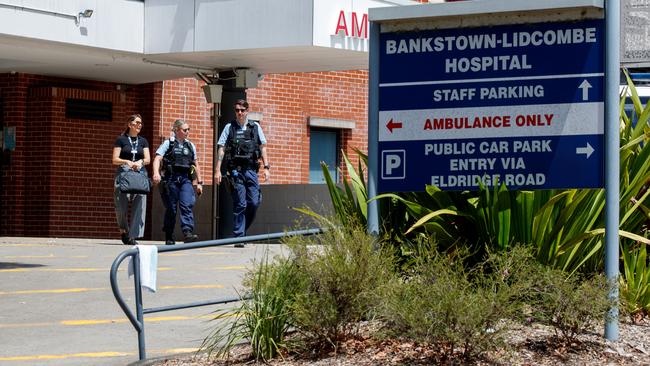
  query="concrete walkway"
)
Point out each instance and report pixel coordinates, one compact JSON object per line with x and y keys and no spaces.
{"x":57,"y":308}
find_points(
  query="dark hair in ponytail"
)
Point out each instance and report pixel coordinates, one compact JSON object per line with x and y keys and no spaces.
{"x":131,"y":118}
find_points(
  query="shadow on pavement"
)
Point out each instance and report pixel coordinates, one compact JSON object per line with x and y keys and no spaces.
{"x":14,"y":265}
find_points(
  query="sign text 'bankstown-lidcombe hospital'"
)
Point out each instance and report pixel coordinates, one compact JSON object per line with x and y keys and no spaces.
{"x":517,"y":104}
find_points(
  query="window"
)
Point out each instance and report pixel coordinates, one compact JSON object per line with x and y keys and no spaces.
{"x":88,"y":109}
{"x":323,"y":146}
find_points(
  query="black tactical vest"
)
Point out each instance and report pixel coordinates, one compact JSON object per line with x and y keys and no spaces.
{"x":179,"y":157}
{"x":242,"y":146}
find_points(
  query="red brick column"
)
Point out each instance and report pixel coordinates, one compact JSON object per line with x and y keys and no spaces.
{"x":13,"y":90}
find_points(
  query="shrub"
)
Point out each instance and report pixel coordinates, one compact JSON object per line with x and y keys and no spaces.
{"x":513,"y":274}
{"x":572,"y":305}
{"x":440,"y":302}
{"x":342,"y":269}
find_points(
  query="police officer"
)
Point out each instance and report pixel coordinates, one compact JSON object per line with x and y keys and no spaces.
{"x":181,"y":178}
{"x":241,"y":145}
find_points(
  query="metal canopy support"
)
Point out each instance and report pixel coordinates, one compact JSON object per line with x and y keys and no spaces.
{"x":213,"y":79}
{"x":612,"y":161}
{"x":214,"y":227}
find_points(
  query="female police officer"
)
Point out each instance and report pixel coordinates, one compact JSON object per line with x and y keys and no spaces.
{"x":180,"y":173}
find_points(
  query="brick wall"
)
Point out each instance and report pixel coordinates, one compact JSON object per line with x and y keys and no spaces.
{"x":286,"y":101}
{"x":58,"y":181}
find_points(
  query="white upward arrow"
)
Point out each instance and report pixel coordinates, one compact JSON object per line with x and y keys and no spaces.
{"x":588,"y":150}
{"x":585,"y":89}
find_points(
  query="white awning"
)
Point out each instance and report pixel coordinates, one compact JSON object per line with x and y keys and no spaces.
{"x":136,"y":42}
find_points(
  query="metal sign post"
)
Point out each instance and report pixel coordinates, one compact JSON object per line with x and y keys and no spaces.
{"x":612,"y":162}
{"x":373,"y":117}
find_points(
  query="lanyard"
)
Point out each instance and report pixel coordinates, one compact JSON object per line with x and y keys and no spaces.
{"x":134,"y":147}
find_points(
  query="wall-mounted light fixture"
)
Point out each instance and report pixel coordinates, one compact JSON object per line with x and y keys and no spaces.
{"x":213,"y":93}
{"x":84,"y":14}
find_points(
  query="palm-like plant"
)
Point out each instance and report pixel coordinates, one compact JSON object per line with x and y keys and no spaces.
{"x":565,"y":226}
{"x":635,"y":215}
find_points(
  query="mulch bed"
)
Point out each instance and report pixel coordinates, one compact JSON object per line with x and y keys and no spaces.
{"x":527,"y":345}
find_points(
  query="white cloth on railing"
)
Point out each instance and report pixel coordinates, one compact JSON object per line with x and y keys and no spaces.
{"x":148,"y":266}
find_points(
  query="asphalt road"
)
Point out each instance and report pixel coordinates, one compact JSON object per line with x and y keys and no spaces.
{"x":57,"y":308}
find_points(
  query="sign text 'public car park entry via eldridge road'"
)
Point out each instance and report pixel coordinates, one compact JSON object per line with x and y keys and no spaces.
{"x":515,"y":104}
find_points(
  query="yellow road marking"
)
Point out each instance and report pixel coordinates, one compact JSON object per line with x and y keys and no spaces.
{"x":96,"y":354}
{"x":92,"y":321}
{"x":230,"y":267}
{"x":99,"y":269}
{"x":158,"y":319}
{"x":69,"y":269}
{"x":42,"y":256}
{"x":52,"y":291}
{"x":25,"y":245}
{"x":29,"y":256}
{"x":155,"y":319}
{"x":193,"y":254}
{"x":88,"y":289}
{"x":70,"y":355}
{"x":77,"y":322}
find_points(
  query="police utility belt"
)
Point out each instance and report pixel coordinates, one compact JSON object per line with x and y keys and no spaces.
{"x":179,"y":170}
{"x":247,"y":164}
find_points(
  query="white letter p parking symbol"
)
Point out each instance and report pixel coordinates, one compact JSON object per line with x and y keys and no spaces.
{"x":393,"y":164}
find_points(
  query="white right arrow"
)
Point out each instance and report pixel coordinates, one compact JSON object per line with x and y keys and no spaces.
{"x":588,"y":150}
{"x":585,"y":89}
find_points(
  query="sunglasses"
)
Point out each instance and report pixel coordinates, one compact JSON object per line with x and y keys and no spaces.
{"x":238,"y":110}
{"x":137,"y":122}
{"x":186,"y":130}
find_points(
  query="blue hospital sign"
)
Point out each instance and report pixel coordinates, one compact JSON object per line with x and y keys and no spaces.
{"x":517,"y":104}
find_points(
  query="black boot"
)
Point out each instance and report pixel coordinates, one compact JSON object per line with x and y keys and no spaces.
{"x":125,"y":238}
{"x":190,"y":237}
{"x":169,"y":239}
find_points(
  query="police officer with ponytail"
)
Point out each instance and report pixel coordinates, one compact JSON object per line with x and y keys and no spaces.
{"x":176,"y":167}
{"x":241,"y":146}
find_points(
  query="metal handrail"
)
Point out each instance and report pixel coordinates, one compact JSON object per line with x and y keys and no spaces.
{"x":137,"y":319}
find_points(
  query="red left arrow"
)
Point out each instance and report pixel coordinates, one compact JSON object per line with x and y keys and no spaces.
{"x":392,"y":125}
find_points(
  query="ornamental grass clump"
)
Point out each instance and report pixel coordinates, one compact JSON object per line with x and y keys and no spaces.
{"x":263,"y":318}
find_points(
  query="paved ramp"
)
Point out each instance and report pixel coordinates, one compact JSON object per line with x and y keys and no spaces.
{"x":57,"y":308}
